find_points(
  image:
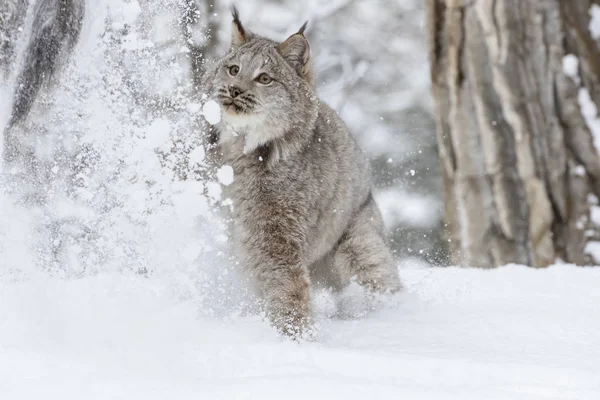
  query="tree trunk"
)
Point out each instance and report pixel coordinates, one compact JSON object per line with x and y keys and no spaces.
{"x":12,"y":16}
{"x":518,"y":158}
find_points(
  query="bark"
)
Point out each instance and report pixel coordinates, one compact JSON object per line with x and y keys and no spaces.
{"x":512,"y":140}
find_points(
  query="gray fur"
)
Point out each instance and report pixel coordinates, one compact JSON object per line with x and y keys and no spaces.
{"x":302,"y":202}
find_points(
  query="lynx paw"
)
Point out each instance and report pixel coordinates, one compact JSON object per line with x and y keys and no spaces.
{"x":295,"y":323}
{"x":390,"y":285}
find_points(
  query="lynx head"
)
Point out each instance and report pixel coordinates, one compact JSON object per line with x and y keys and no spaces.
{"x":264,"y":87}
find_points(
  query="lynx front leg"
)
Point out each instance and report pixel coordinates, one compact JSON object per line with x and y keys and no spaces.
{"x":274,"y":244}
{"x":363,"y":253}
{"x":286,"y":293}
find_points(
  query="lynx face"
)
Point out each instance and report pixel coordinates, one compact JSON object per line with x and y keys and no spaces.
{"x":251,"y":86}
{"x":264,"y":87}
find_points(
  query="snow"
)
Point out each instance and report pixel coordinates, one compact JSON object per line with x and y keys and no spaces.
{"x":509,"y":333}
{"x":212,"y":112}
{"x":197,"y":156}
{"x":579,"y":170}
{"x":571,"y":69}
{"x":158,"y":133}
{"x":225,"y":175}
{"x":592,"y":249}
{"x":571,"y":66}
{"x":120,"y":287}
{"x":403,"y":208}
{"x":594,"y":25}
{"x":586,"y":104}
{"x":590,"y":114}
{"x":595,"y":215}
{"x":124,"y":13}
{"x":214,"y":190}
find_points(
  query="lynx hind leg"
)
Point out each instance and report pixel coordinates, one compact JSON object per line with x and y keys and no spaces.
{"x":363,"y":253}
{"x":324,"y":275}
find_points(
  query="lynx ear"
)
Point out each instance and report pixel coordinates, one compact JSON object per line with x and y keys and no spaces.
{"x":239,"y":35}
{"x":296,"y":51}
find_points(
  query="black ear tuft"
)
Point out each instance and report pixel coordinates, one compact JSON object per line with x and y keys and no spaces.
{"x":239,"y":35}
{"x":303,"y":28}
{"x":236,"y":20}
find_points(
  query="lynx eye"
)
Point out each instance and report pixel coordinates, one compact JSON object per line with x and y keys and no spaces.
{"x":234,"y":70}
{"x":264,"y":79}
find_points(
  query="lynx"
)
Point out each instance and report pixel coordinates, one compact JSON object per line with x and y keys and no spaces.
{"x":303,"y":209}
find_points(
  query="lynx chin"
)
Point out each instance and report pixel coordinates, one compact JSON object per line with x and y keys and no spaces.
{"x":303,"y":211}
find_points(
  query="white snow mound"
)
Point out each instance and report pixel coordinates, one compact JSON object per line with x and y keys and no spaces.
{"x":225,"y":175}
{"x":510,"y":333}
{"x":212,"y":112}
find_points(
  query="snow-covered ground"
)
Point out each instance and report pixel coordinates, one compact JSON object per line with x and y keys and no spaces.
{"x":510,"y":333}
{"x":117,"y":286}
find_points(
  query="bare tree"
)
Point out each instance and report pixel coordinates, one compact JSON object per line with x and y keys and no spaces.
{"x":517,"y":156}
{"x":12,"y":15}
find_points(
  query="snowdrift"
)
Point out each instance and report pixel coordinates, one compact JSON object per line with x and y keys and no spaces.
{"x":510,"y":333}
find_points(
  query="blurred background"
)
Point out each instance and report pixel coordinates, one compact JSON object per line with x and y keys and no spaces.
{"x":115,"y":144}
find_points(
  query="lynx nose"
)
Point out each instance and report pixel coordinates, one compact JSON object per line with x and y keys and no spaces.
{"x":235,"y":91}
